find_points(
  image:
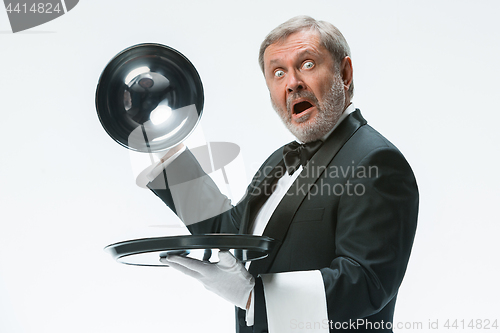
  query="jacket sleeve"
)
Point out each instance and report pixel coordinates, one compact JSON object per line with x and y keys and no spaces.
{"x":194,"y":197}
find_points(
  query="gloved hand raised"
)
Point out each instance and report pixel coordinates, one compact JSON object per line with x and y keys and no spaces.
{"x":228,"y":278}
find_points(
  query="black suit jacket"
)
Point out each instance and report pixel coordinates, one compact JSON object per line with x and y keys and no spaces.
{"x":351,"y":214}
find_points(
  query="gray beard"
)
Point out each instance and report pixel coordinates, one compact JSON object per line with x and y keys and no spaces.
{"x":328,"y":114}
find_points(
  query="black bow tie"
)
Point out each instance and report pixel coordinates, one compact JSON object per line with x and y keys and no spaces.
{"x":296,"y":154}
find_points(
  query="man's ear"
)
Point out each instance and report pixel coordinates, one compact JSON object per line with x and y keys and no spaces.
{"x":346,"y":72}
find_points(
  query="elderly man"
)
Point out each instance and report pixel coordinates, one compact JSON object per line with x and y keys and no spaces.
{"x":342,"y":202}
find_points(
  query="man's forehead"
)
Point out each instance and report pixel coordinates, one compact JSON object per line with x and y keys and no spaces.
{"x":301,"y":42}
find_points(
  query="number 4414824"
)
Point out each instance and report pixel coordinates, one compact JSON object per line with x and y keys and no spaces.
{"x":479,"y":324}
{"x":36,"y":8}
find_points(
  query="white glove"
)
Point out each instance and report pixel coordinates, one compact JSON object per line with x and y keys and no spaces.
{"x":228,"y":278}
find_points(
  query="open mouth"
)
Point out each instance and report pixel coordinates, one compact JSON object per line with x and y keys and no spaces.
{"x":301,"y":107}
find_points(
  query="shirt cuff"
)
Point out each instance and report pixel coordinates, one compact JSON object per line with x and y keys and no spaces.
{"x":249,"y":317}
{"x":150,"y":173}
{"x":160,"y":166}
{"x":295,"y":300}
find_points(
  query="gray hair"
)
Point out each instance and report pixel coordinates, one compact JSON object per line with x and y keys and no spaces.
{"x":330,"y":36}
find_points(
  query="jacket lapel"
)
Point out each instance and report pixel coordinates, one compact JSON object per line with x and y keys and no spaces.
{"x":261,"y":189}
{"x":282,"y":217}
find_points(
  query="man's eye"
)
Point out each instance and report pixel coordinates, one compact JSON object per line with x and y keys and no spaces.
{"x":279,"y":73}
{"x":308,"y":64}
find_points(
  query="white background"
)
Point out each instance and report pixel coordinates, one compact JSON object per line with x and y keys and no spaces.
{"x":426,"y":76}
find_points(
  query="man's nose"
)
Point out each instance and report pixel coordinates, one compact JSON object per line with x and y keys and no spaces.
{"x":294,"y":83}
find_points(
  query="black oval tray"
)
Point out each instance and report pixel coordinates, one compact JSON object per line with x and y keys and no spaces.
{"x":149,"y":251}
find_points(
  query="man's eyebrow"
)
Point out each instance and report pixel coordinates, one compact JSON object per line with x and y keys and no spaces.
{"x":274,"y":61}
